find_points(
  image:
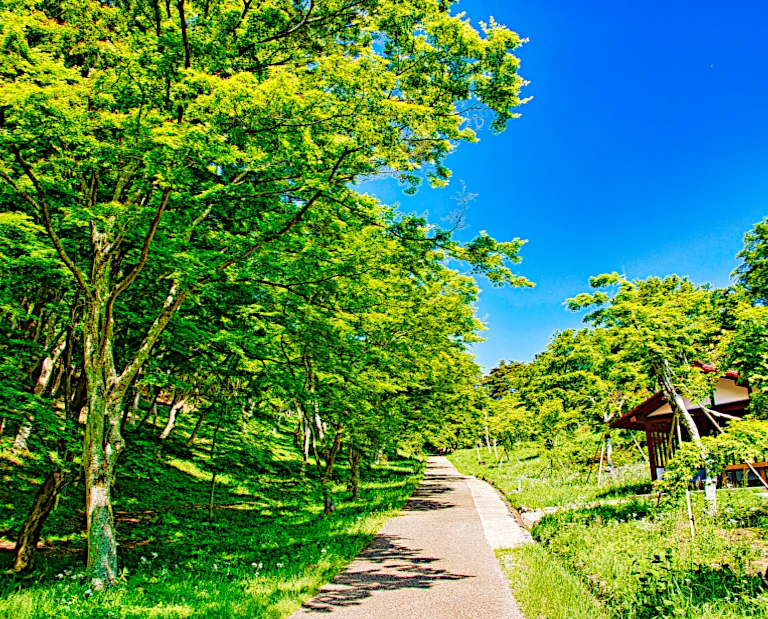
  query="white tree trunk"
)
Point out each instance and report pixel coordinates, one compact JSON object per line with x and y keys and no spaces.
{"x":172,"y":414}
{"x":46,"y":371}
{"x":676,"y":401}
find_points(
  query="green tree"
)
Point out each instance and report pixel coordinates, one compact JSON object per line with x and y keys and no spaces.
{"x":195,"y":141}
{"x":665,"y":324}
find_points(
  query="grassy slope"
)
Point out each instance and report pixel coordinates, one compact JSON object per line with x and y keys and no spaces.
{"x":266,"y":550}
{"x":542,"y":486}
{"x":635,"y":560}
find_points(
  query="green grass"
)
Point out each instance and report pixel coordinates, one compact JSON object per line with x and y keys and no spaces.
{"x":640,"y":561}
{"x":634,"y":558}
{"x":555,"y":485}
{"x":267,"y":549}
{"x":544,"y":588}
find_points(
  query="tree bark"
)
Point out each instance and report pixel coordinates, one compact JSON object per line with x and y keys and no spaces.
{"x":103,"y":445}
{"x":355,"y":458}
{"x":608,"y":453}
{"x":198,"y":425}
{"x":29,"y":536}
{"x":152,"y":409}
{"x":211,"y":495}
{"x":172,"y":414}
{"x":46,"y":371}
{"x":307,"y":438}
{"x":329,"y":506}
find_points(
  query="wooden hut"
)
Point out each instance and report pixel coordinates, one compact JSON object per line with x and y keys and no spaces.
{"x":654,"y":417}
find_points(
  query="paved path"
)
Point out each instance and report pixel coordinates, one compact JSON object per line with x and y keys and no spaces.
{"x":434,"y":561}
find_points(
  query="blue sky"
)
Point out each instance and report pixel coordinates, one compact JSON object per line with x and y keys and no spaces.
{"x":645,"y":149}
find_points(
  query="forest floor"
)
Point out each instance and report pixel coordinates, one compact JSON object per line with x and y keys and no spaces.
{"x":266,"y":549}
{"x":632,"y":558}
{"x":434,"y":560}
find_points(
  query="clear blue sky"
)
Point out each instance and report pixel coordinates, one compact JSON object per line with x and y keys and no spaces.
{"x":645,"y":149}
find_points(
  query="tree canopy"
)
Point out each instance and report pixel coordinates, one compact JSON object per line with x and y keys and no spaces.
{"x":183,"y":227}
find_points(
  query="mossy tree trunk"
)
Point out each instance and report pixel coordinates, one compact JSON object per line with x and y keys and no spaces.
{"x":44,"y":502}
{"x":355,"y":459}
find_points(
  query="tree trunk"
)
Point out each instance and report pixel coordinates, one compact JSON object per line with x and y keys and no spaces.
{"x":355,"y":458}
{"x":600,"y":470}
{"x":210,"y":496}
{"x":306,"y":445}
{"x":487,"y":436}
{"x":172,"y":413}
{"x":330,"y":506}
{"x":213,"y":455}
{"x":22,"y":435}
{"x":45,"y":499}
{"x":198,"y":425}
{"x":46,"y":371}
{"x":152,"y":409}
{"x":103,"y":442}
{"x":103,"y":445}
{"x":676,"y":402}
{"x":130,"y":411}
{"x":608,"y":453}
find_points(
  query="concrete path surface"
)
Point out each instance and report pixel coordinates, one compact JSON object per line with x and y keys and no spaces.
{"x":434,"y":561}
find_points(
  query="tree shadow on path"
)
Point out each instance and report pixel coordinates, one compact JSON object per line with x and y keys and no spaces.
{"x":405,"y":569}
{"x":425,"y":498}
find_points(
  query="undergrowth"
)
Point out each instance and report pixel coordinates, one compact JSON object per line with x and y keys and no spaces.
{"x":265,"y":550}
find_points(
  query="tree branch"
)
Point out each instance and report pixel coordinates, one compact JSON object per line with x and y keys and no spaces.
{"x":43,"y":206}
{"x":129,"y":279}
{"x":285,"y":33}
{"x":184,"y":37}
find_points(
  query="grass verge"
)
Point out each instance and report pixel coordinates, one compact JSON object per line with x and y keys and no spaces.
{"x":544,"y":588}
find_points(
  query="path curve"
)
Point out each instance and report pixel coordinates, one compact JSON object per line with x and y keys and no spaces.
{"x":433,"y":561}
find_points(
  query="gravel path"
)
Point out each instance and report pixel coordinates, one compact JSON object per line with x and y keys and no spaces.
{"x":434,"y":561}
